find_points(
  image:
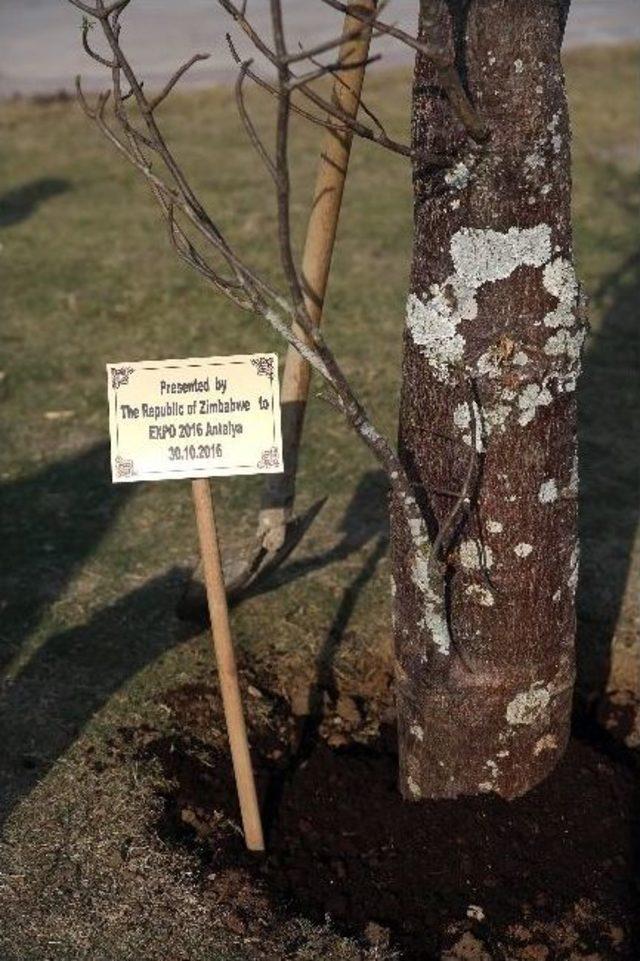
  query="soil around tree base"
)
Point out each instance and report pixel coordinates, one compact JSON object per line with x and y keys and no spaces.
{"x":547,"y":876}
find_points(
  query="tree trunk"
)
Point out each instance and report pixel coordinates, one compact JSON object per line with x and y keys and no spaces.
{"x":491,"y":358}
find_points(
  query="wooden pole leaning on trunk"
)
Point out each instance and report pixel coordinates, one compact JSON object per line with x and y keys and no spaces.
{"x":227,"y":670}
{"x":279,"y":489}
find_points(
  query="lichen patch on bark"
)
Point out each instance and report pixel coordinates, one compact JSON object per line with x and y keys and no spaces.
{"x":548,"y":742}
{"x":574,"y":567}
{"x":482,"y":594}
{"x":433,"y":622}
{"x":528,"y":706}
{"x":479,"y":256}
{"x":548,"y":492}
{"x":559,"y":278}
{"x":523,"y":549}
{"x":475,"y":556}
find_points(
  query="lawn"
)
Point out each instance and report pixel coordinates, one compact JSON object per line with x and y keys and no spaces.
{"x":115,"y":753}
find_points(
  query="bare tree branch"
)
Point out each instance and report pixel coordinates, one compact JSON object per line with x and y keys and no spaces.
{"x":273,"y":91}
{"x":324,"y":69}
{"x":86,"y":26}
{"x":303,"y":85}
{"x":442,"y":61}
{"x":249,"y":126}
{"x":149,"y":153}
{"x":170,"y":84}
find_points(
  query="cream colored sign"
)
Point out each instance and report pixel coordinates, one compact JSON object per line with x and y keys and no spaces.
{"x":201,"y":417}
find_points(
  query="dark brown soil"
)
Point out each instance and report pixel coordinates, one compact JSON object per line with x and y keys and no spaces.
{"x":548,"y":876}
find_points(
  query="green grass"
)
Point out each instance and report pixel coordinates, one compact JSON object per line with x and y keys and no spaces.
{"x":92,"y":572}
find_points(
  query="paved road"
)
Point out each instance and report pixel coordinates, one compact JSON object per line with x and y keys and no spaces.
{"x":40,"y":44}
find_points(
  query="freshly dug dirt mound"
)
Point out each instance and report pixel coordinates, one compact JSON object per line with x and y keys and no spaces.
{"x":548,"y":876}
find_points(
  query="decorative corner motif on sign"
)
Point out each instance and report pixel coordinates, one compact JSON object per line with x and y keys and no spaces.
{"x":269,"y":458}
{"x":124,"y":467}
{"x":264,"y":366}
{"x":120,"y":376}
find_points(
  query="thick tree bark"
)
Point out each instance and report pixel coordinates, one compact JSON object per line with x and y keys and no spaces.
{"x":492,"y":353}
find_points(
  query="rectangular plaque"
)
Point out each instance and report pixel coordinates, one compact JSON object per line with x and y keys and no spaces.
{"x":200,"y":417}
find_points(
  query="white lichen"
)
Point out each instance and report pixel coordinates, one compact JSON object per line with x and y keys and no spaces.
{"x":494,"y":527}
{"x":479,"y":256}
{"x":496,"y":416}
{"x":523,"y":549}
{"x":458,"y":176}
{"x":483,"y":594}
{"x":368,"y":431}
{"x":418,"y":531}
{"x":434,"y":326}
{"x":488,"y":364}
{"x":534,"y":160}
{"x":414,"y":789}
{"x":474,"y":556}
{"x":552,"y":127}
{"x":417,"y":731}
{"x":518,"y":66}
{"x":462,"y":420}
{"x":531,"y":397}
{"x":529,"y":706}
{"x":433,"y":619}
{"x":475,"y":912}
{"x":548,"y":492}
{"x":493,"y":767}
{"x":559,"y":279}
{"x":548,"y":742}
{"x":462,"y":416}
{"x":574,"y":568}
{"x":566,"y":344}
{"x":494,"y":771}
{"x":572,"y":486}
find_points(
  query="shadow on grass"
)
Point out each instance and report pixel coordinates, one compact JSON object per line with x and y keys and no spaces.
{"x":366,"y":517}
{"x":609,"y":440}
{"x":74,"y":674}
{"x":69,"y":507}
{"x":20,"y":203}
{"x":51,"y":522}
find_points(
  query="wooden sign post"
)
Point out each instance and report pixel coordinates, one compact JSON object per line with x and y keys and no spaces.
{"x":225,"y":657}
{"x":198,"y":418}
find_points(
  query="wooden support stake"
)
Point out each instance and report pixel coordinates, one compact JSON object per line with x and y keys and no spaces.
{"x":227,"y":670}
{"x":279,"y":490}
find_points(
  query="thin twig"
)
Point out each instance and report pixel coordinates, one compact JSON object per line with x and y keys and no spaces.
{"x":170,"y":84}
{"x":442,"y":61}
